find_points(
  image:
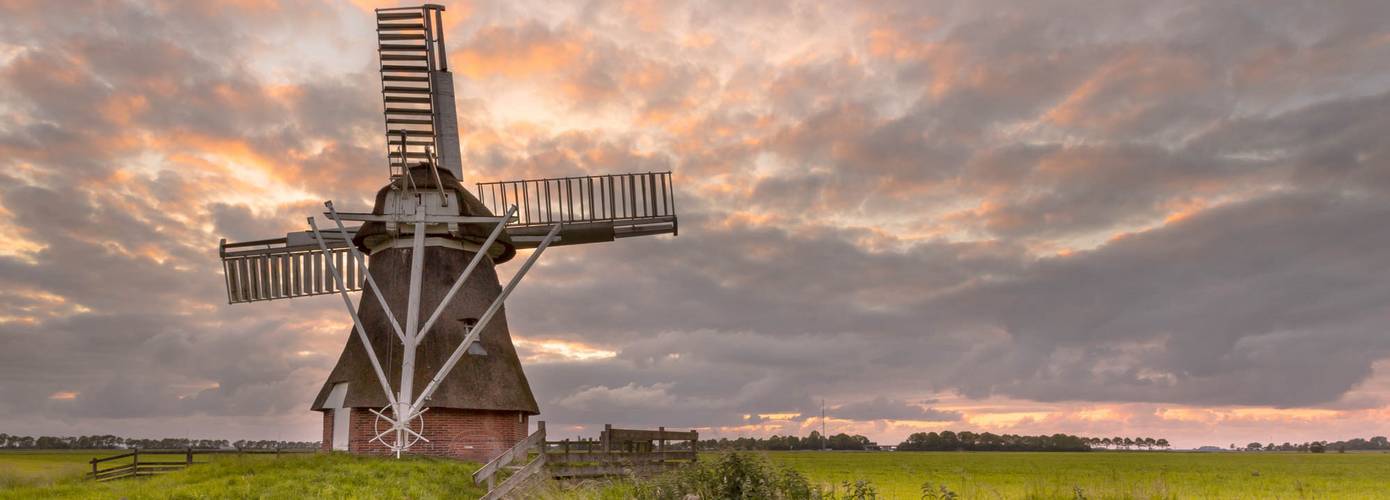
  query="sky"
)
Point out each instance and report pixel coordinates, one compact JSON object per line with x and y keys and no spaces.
{"x":1127,"y":218}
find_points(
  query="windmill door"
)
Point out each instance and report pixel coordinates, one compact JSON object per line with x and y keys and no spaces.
{"x":340,"y":415}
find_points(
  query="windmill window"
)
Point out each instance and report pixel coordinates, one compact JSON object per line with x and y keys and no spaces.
{"x":476,"y":348}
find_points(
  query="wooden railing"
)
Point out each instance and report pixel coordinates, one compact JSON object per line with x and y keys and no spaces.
{"x":620,"y":452}
{"x":150,"y":467}
{"x":518,"y":453}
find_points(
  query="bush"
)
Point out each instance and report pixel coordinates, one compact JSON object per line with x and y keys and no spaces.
{"x":735,"y":476}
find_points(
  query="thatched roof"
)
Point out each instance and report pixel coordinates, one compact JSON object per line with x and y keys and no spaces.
{"x":491,"y":382}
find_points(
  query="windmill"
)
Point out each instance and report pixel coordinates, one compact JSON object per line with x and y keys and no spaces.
{"x":429,"y":366}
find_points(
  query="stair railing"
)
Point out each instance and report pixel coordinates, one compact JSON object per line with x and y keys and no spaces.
{"x":518,"y":453}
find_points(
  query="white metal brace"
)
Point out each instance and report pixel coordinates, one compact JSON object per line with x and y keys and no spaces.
{"x":405,"y":406}
{"x":483,"y":321}
{"x":356,"y":321}
{"x":362,"y":264}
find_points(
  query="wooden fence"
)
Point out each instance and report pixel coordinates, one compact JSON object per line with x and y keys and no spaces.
{"x":617,"y":452}
{"x":151,"y":466}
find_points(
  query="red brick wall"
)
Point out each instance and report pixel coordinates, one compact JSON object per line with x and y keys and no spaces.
{"x":327,"y":431}
{"x":477,"y":435}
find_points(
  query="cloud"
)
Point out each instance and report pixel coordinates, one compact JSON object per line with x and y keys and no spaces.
{"x":1160,"y":213}
{"x":882,"y":408}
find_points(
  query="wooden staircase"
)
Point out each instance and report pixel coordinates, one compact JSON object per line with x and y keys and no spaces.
{"x":506,"y":463}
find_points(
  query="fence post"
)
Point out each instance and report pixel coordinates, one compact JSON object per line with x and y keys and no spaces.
{"x":607,"y":437}
{"x":661,"y":445}
{"x":188,"y":458}
{"x":94,"y":469}
{"x":695,"y":445}
{"x":540,"y":443}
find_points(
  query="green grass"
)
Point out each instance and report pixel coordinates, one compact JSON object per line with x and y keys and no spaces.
{"x":303,"y":476}
{"x":900,"y":475}
{"x":40,"y":468}
{"x":896,"y":475}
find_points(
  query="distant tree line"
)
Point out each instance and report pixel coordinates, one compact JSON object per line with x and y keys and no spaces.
{"x":1124,"y":443}
{"x":1355,"y":444}
{"x":108,"y":442}
{"x":921,"y":441}
{"x":815,"y":441}
{"x":985,"y":441}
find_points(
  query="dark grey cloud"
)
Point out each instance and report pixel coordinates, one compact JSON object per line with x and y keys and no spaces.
{"x":867,"y":224}
{"x":882,"y":408}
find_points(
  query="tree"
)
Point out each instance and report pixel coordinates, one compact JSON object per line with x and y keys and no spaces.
{"x":814,"y":441}
{"x":1162,"y":443}
{"x":1253,"y":447}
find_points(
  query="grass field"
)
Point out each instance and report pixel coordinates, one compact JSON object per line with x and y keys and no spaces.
{"x":39,"y":468}
{"x":303,"y":476}
{"x":898,"y":475}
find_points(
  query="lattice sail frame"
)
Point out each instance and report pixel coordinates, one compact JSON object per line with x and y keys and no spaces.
{"x":592,"y":209}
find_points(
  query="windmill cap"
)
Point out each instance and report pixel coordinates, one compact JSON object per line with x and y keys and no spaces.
{"x":374,"y":232}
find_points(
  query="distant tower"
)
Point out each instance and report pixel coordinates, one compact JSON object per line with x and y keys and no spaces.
{"x":447,"y":382}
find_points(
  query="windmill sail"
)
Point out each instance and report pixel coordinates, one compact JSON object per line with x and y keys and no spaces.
{"x":417,"y":89}
{"x":593,"y":208}
{"x":283,"y":268}
{"x":422,"y":128}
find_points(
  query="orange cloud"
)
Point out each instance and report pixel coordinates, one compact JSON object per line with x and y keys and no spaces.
{"x":518,"y":52}
{"x":1126,"y":86}
{"x":544,"y":350}
{"x":455,"y":11}
{"x":649,"y":14}
{"x":121,"y":109}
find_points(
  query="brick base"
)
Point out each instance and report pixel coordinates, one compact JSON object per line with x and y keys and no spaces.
{"x":327,"y":431}
{"x":475,"y":435}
